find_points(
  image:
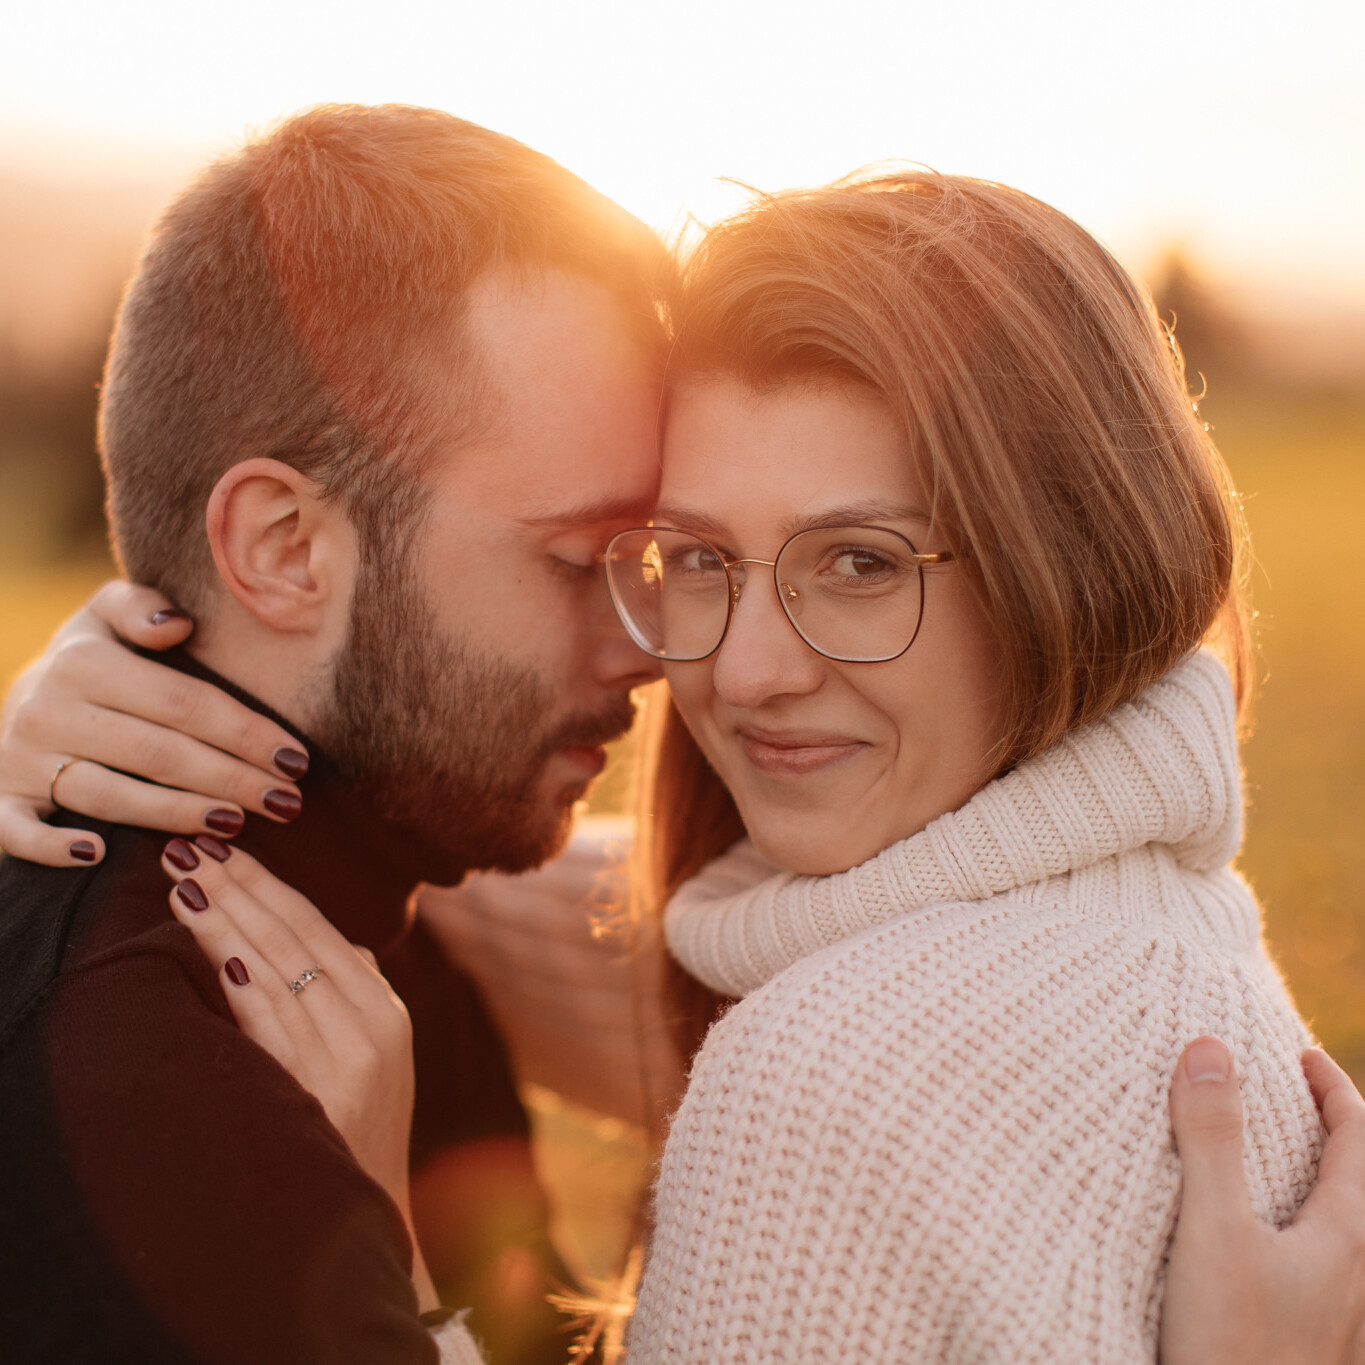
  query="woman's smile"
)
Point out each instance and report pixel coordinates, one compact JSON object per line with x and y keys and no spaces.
{"x":796,"y":753}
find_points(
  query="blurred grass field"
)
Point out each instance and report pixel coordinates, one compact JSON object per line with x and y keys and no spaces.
{"x":1300,"y":463}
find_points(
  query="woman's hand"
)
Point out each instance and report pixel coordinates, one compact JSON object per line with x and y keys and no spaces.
{"x":89,"y":711}
{"x":1242,"y":1293}
{"x":317,"y":1004}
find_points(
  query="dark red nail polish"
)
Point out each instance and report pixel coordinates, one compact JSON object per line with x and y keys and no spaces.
{"x":215,"y":848}
{"x":192,"y":895}
{"x":180,"y":854}
{"x":284,"y":804}
{"x":292,"y":763}
{"x":237,"y":972}
{"x":169,"y":614}
{"x":223,"y":821}
{"x":83,"y":851}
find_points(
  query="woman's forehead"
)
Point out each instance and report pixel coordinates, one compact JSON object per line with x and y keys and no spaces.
{"x":794,"y":452}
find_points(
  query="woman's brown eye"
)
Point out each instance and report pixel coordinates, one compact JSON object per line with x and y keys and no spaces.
{"x":860,"y":564}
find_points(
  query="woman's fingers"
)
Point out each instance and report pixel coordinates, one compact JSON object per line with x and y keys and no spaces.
{"x":25,"y":834}
{"x":184,"y":780}
{"x":341,"y":1034}
{"x":345,"y":978}
{"x":103,"y":674}
{"x":90,"y":789}
{"x":296,"y":913}
{"x":1206,"y":1115}
{"x":142,"y":615}
{"x":219,"y":914}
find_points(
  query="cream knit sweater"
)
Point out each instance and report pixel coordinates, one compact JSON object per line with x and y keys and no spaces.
{"x":935,"y":1127}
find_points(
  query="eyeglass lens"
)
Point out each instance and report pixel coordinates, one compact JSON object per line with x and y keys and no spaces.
{"x":852,"y":593}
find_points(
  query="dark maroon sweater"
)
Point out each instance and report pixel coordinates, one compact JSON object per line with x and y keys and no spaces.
{"x":167,"y":1191}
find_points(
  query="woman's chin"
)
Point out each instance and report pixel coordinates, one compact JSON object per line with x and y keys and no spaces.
{"x":806,"y":855}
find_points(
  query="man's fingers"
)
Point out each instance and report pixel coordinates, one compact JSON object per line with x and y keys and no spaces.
{"x":24,"y":834}
{"x":1341,"y":1173}
{"x":142,"y":615}
{"x":1335,"y":1092}
{"x":1206,"y":1116}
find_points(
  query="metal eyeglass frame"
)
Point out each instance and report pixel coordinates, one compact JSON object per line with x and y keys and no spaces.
{"x":917,"y":557}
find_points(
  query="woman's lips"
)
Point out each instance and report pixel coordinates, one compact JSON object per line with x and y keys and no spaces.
{"x":795,"y":753}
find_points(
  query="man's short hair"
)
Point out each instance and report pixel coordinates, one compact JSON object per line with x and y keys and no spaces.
{"x":303,"y":301}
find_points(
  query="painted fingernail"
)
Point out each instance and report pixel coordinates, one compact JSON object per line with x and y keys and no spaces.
{"x":180,"y":854}
{"x":1207,"y":1060}
{"x":169,"y":614}
{"x":215,"y":848}
{"x":237,"y":972}
{"x":223,"y":821}
{"x":284,"y":804}
{"x":83,"y":851}
{"x":192,"y":895}
{"x":292,"y":763}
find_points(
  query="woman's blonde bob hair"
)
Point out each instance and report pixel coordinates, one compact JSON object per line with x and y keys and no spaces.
{"x":1046,"y":407}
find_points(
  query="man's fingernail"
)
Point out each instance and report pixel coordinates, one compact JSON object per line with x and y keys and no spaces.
{"x":223,"y":821}
{"x":215,"y":848}
{"x":1207,"y":1060}
{"x":284,"y":804}
{"x":168,"y":614}
{"x":237,"y":972}
{"x":192,"y":895}
{"x":180,"y":854}
{"x":292,"y":763}
{"x":83,"y":851}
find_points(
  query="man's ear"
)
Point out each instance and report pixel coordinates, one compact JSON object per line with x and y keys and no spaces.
{"x":287,"y":556}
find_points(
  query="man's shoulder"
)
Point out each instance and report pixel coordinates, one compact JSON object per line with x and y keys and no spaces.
{"x":98,"y":922}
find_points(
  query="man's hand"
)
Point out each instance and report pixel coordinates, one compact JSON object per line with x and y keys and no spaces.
{"x":582,"y":1013}
{"x":1242,"y":1293}
{"x":90,"y":711}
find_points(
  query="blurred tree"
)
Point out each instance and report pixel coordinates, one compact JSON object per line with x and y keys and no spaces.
{"x":48,"y":457}
{"x":1211,"y":338}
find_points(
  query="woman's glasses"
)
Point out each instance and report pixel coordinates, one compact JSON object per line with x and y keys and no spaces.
{"x":852,"y":593}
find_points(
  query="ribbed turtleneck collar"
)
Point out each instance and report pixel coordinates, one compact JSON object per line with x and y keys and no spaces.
{"x":357,"y":868}
{"x":1161,"y":769}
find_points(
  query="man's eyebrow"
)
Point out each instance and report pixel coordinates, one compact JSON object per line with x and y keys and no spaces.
{"x":848,"y":514}
{"x":593,"y":513}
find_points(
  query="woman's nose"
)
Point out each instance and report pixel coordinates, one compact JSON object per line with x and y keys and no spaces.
{"x":762,"y":656}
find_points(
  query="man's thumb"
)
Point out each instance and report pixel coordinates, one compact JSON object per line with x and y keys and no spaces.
{"x":1206,"y":1115}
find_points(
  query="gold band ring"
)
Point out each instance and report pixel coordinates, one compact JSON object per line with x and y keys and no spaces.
{"x":52,"y":786}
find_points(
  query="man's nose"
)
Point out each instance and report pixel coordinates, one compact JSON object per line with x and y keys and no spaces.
{"x":618,"y":662}
{"x":762,"y":656}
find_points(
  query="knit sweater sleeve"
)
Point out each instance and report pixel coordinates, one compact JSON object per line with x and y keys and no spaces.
{"x":945,"y":1139}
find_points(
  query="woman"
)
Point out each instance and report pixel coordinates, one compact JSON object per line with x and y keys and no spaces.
{"x":964,"y":709}
{"x":965,"y":717}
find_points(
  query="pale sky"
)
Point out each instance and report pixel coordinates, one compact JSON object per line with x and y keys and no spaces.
{"x":1234,"y":126}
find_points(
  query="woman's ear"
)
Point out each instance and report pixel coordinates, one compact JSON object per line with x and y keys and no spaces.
{"x":286,"y":555}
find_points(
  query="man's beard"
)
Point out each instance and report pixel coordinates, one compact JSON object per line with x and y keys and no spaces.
{"x":448,"y":743}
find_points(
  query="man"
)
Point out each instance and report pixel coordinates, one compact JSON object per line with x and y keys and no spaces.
{"x":383,"y":387}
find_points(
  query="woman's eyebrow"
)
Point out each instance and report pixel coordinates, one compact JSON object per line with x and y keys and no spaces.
{"x":856,"y":514}
{"x":688,"y":519}
{"x":847,"y":514}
